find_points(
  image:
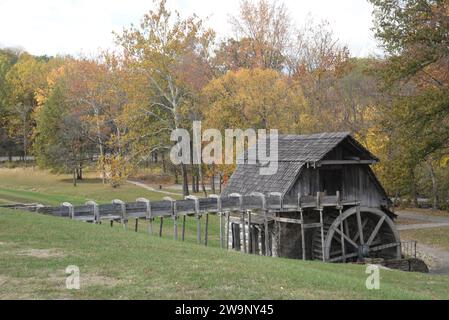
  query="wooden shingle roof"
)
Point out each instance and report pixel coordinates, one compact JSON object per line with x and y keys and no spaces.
{"x":294,"y":151}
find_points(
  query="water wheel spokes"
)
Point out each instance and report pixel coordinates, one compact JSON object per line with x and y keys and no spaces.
{"x":358,"y":233}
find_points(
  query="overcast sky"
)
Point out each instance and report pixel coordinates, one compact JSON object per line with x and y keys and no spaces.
{"x":82,"y":26}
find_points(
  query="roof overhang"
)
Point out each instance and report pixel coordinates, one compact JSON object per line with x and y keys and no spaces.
{"x":338,"y":162}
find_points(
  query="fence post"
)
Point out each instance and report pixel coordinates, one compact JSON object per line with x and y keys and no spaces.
{"x":265,"y":213}
{"x":71,"y":209}
{"x":242,"y":217}
{"x":161,"y":226}
{"x":228,"y":226}
{"x":124,"y":218}
{"x":174,"y":216}
{"x":220,"y":215}
{"x":198,"y":216}
{"x":183,"y":232}
{"x":281,"y":208}
{"x":96,"y":211}
{"x":149,"y":216}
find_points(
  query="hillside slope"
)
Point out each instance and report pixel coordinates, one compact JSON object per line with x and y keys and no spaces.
{"x":35,"y":251}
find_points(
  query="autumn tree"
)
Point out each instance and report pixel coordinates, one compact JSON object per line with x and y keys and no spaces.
{"x":8,"y":58}
{"x":157,"y":49}
{"x":415,"y":36}
{"x":23,"y":79}
{"x":262,"y":36}
{"x":259,"y":99}
{"x":60,"y":140}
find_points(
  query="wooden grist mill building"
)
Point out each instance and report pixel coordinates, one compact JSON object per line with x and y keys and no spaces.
{"x":323,"y":203}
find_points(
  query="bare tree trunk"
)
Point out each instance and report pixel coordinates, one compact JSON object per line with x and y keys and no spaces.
{"x":79,"y":175}
{"x":193,"y":179}
{"x":185,"y":181}
{"x":25,"y":140}
{"x":201,"y":177}
{"x":74,"y":177}
{"x":434,"y":187}
{"x":413,"y":192}
{"x":213,"y":179}
{"x":100,"y":146}
{"x":175,"y":171}
{"x":197,"y":185}
{"x":164,"y":166}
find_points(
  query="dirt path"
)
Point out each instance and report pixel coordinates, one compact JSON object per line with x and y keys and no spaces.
{"x":428,"y":221}
{"x":142,"y":185}
{"x":421,"y":226}
{"x":436,"y":259}
{"x":422,"y":217}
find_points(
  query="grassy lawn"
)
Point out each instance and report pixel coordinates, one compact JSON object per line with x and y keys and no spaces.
{"x":36,"y":249}
{"x":25,"y":185}
{"x":34,"y":185}
{"x":437,"y":237}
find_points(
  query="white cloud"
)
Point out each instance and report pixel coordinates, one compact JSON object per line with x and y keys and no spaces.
{"x":82,"y":26}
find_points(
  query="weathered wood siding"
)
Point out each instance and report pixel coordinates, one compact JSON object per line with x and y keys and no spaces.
{"x":358,"y":183}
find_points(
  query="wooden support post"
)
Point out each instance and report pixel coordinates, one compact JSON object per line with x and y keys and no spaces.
{"x":266,"y":238}
{"x":137,"y":225}
{"x":322,"y":233}
{"x":343,"y":249}
{"x":173,"y":215}
{"x":267,"y":235}
{"x":148,"y":216}
{"x":161,"y":226}
{"x":228,"y":223}
{"x":318,"y":200}
{"x":337,"y":195}
{"x":250,"y":236}
{"x":342,"y":240}
{"x":263,"y":243}
{"x":359,"y":224}
{"x":183,"y":232}
{"x":198,"y":228}
{"x":236,"y":243}
{"x":112,"y":223}
{"x":303,"y":236}
{"x":220,"y":215}
{"x":255,"y":240}
{"x":96,"y":211}
{"x":198,"y":217}
{"x":206,"y":229}
{"x":242,"y":217}
{"x":123,"y":218}
{"x":71,"y":209}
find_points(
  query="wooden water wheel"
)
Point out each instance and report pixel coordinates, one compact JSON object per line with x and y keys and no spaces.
{"x":355,"y":234}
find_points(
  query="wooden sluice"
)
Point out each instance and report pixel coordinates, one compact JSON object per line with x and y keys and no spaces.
{"x":245,"y":221}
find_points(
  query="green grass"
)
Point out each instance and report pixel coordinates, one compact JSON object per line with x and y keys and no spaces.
{"x":437,"y":237}
{"x":127,"y":265}
{"x":34,"y":185}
